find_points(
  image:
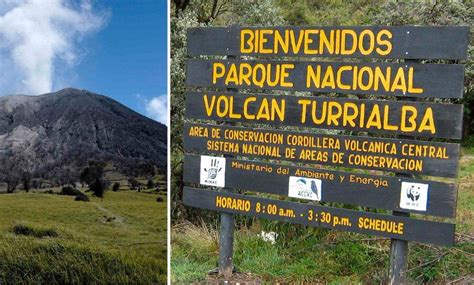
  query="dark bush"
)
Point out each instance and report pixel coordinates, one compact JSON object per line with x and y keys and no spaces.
{"x":98,"y":187}
{"x":82,"y":197}
{"x":116,"y":186}
{"x":134,"y":184}
{"x":150,"y":184}
{"x":69,"y":191}
{"x":159,"y":199}
{"x":20,"y":229}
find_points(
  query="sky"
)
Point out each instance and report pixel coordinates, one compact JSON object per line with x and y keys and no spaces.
{"x":117,"y":48}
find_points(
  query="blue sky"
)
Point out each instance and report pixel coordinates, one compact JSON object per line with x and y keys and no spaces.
{"x":113,"y":47}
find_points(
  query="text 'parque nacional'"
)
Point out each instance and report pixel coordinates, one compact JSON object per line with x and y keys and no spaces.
{"x":414,"y":79}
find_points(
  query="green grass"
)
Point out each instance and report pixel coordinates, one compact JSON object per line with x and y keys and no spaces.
{"x":48,"y":238}
{"x":465,"y":206}
{"x":316,"y":255}
{"x":26,"y":230}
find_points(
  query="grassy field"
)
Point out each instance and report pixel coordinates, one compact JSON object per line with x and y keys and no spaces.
{"x":49,"y":238}
{"x":312,"y":254}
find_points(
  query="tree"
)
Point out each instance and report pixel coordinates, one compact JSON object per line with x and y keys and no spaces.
{"x":65,"y":176}
{"x":26,"y":180}
{"x":92,"y":175}
{"x":144,"y":169}
{"x":98,"y":188}
{"x":150,"y":184}
{"x":10,"y":171}
{"x":206,"y":11}
{"x":116,"y":186}
{"x":12,"y":182}
{"x":180,"y":5}
{"x":134,"y":184}
{"x":326,"y":12}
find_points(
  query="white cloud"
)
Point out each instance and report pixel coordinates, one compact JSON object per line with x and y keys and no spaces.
{"x":157,"y":109}
{"x":39,"y":36}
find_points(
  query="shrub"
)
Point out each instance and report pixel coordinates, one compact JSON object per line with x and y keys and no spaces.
{"x":70,"y":191}
{"x":159,"y":199}
{"x":25,"y":230}
{"x":134,"y":184}
{"x":82,"y":197}
{"x":98,"y":187}
{"x":150,"y":184}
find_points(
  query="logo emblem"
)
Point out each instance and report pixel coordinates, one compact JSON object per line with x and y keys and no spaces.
{"x":414,"y":196}
{"x":413,"y":193}
{"x":304,"y":188}
{"x":212,"y":171}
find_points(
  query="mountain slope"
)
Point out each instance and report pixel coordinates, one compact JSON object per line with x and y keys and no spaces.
{"x":71,"y":127}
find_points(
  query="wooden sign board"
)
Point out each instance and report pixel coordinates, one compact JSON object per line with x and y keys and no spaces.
{"x":381,"y":78}
{"x":402,"y":228}
{"x":402,"y":156}
{"x":407,"y":80}
{"x":373,"y":116}
{"x":405,"y":42}
{"x":382,"y":192}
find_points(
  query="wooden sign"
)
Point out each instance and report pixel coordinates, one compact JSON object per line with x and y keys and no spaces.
{"x":407,"y":80}
{"x":382,"y":192}
{"x":402,"y":156}
{"x":373,"y":116}
{"x":406,"y":42}
{"x":266,"y":66}
{"x":402,"y":228}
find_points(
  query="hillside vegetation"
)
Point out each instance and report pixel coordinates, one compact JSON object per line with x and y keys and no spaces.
{"x":49,"y":238}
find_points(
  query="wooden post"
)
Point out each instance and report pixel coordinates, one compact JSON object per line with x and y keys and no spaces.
{"x":226,"y":244}
{"x":398,"y":255}
{"x":399,"y":248}
{"x":226,"y":241}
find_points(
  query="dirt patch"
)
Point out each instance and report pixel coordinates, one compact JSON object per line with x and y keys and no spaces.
{"x":110,"y":217}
